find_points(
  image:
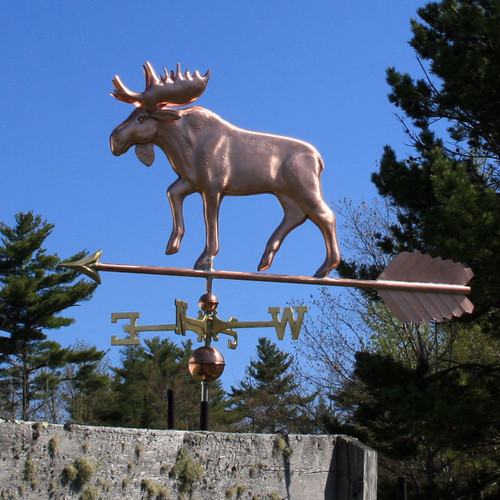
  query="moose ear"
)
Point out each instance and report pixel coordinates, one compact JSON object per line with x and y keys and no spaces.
{"x":165,"y":115}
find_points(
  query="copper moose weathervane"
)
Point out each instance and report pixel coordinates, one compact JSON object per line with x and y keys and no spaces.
{"x":215,"y":158}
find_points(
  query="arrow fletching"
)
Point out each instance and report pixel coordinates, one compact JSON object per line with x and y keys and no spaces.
{"x":420,"y":307}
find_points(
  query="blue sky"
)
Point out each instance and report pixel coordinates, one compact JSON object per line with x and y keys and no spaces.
{"x":310,"y":70}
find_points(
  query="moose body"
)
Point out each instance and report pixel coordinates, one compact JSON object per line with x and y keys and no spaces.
{"x":216,"y":158}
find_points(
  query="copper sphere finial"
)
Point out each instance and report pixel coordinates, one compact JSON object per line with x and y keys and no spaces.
{"x":208,"y":302}
{"x":206,"y":364}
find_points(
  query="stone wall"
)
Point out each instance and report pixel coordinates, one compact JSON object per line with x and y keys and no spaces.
{"x":39,"y":461}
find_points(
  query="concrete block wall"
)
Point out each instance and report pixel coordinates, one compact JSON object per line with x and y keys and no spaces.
{"x":40,"y":460}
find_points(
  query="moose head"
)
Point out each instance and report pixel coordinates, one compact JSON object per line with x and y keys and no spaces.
{"x":160,"y":94}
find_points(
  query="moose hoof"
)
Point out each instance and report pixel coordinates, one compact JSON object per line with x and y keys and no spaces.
{"x":323,"y":272}
{"x":265,"y":262}
{"x":204,"y":265}
{"x":263,"y":267}
{"x":172,"y":247}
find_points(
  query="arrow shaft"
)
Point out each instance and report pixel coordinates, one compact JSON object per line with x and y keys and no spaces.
{"x":282,"y":278}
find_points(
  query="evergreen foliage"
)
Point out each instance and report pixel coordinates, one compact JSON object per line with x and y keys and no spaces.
{"x":448,"y":194}
{"x":87,"y":391}
{"x":34,"y":290}
{"x":138,"y":393}
{"x":426,"y":397}
{"x":269,"y":399}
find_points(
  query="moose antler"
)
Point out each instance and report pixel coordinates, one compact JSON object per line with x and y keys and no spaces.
{"x":173,"y":89}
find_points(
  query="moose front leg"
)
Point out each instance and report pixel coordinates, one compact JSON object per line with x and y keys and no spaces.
{"x":176,"y":194}
{"x":211,"y":205}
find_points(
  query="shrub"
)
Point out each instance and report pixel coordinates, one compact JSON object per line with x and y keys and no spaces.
{"x":154,"y":490}
{"x":281,"y":446}
{"x":53,"y":446}
{"x":69,"y":473}
{"x":85,"y":470}
{"x":186,"y":470}
{"x":30,"y":470}
{"x":90,"y":494}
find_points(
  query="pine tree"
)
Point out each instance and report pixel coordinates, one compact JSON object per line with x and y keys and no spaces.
{"x":448,"y":190}
{"x":269,"y":399}
{"x":34,"y":290}
{"x":437,"y":416}
{"x":86,"y":390}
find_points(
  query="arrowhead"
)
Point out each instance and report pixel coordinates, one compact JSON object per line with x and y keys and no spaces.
{"x":88,"y":266}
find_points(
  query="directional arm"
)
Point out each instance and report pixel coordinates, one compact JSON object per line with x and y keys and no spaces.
{"x":210,"y":326}
{"x":415,"y":287}
{"x":133,"y":329}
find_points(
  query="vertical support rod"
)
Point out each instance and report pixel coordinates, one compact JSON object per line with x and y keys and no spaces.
{"x":170,"y":409}
{"x":401,"y":488}
{"x":204,"y":407}
{"x":204,"y":403}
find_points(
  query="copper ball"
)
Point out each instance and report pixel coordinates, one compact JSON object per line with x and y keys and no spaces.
{"x":206,"y":364}
{"x":208,"y":302}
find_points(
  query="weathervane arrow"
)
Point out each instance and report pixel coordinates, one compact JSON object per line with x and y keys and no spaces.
{"x":415,"y":287}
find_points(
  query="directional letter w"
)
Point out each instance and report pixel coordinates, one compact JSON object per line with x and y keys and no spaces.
{"x":288,"y":317}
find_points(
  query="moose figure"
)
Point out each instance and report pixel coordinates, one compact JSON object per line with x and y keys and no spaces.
{"x":216,"y":158}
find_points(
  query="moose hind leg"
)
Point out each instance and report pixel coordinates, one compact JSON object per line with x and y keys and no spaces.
{"x":176,"y":194}
{"x":324,"y":218}
{"x":293,"y":216}
{"x":316,"y":209}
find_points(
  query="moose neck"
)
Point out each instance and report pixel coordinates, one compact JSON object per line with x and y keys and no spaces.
{"x":179,"y":139}
{"x":174,"y":142}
